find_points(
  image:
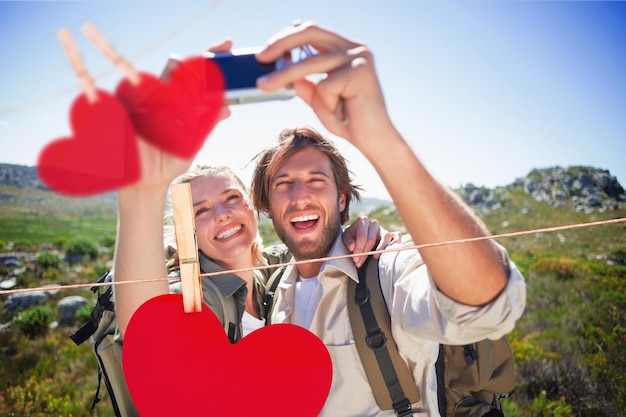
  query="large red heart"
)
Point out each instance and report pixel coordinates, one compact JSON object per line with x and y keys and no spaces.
{"x":176,"y":115}
{"x":182,"y":364}
{"x":101,"y":156}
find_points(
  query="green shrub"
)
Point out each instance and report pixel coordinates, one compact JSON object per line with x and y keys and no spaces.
{"x":509,"y":408}
{"x":23,"y":245}
{"x":28,"y":279}
{"x":81,"y":247}
{"x":47,"y":260}
{"x":51,"y":274}
{"x":2,"y":245}
{"x":561,"y":268}
{"x":35,"y":321}
{"x":543,"y":407}
{"x":527,"y":348}
{"x":59,"y":242}
{"x":41,"y":397}
{"x":618,"y":256}
{"x":99,"y":269}
{"x":83,"y":314}
{"x":107,"y":242}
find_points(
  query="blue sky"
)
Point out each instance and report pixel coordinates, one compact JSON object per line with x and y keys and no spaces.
{"x":484,"y":91}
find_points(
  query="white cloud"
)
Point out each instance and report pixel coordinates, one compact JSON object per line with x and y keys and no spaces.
{"x":4,"y":123}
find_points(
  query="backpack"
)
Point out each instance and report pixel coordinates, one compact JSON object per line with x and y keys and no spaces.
{"x":107,"y":343}
{"x":107,"y":347}
{"x":471,"y":379}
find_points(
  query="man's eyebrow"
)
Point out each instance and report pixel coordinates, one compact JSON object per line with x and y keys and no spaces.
{"x":278,"y":176}
{"x":321,"y":172}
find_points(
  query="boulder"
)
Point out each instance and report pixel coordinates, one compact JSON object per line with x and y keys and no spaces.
{"x":23,"y":300}
{"x":8,"y":284}
{"x":67,"y":308}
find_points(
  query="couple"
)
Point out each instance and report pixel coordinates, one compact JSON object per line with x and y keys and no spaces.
{"x":454,"y":294}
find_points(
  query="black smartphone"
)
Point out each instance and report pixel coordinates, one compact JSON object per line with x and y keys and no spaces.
{"x":241,"y":70}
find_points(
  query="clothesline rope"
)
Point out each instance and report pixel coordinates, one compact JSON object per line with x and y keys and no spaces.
{"x":76,"y":87}
{"x":389,"y":249}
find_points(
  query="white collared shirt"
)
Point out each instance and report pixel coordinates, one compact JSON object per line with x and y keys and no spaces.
{"x":249,"y":323}
{"x":421,"y":318}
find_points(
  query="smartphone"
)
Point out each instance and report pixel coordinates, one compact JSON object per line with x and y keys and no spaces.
{"x":241,"y":70}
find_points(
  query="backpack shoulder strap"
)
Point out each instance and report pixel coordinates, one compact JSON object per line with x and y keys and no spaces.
{"x":225,"y":297}
{"x":104,"y":302}
{"x":228,"y":310}
{"x":107,"y":347}
{"x":270,"y":292}
{"x":389,"y":376}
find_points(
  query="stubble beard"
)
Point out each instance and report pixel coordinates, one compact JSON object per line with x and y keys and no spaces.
{"x":308,"y":248}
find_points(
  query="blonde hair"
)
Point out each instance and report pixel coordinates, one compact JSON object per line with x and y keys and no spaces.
{"x":168,"y":224}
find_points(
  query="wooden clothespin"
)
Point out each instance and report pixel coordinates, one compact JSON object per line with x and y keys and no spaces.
{"x":71,"y":50}
{"x":97,"y":38}
{"x":187,"y":247}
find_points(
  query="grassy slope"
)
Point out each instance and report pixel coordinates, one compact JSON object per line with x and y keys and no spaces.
{"x":41,"y":216}
{"x":570,"y":341}
{"x":559,"y":347}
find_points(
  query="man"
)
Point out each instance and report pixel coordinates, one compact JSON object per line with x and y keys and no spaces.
{"x":455,"y":294}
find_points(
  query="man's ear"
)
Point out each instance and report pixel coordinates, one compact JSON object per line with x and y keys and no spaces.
{"x":342,"y":202}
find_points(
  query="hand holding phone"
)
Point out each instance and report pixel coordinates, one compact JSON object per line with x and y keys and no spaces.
{"x":241,"y":70}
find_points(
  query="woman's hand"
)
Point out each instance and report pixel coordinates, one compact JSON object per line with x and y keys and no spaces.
{"x":218,"y":47}
{"x":366,"y":235}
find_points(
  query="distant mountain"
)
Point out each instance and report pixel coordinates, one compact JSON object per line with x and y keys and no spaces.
{"x":588,"y":189}
{"x":22,"y":191}
{"x":20,"y":176}
{"x":368,"y":204}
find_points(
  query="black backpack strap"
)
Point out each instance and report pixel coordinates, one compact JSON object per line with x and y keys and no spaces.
{"x":232,"y":331}
{"x":471,"y":355}
{"x":96,"y":398}
{"x":441,"y":389}
{"x":270,"y":292}
{"x":103,"y":302}
{"x":378,"y":351}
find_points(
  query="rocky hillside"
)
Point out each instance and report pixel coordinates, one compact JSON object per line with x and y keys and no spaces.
{"x":587,"y":189}
{"x":21,"y":190}
{"x":20,"y":176}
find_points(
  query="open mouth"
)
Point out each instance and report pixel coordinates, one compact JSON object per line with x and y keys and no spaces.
{"x":225,"y":234}
{"x":304,"y":222}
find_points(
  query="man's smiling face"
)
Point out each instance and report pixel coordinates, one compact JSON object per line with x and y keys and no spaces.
{"x":305,"y":204}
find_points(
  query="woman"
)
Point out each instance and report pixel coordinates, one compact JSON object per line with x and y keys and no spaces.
{"x":227,"y":236}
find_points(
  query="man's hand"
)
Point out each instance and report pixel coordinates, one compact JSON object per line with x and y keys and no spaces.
{"x":351,"y":81}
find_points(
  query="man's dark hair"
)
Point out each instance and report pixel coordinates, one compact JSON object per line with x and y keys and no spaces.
{"x":291,"y":141}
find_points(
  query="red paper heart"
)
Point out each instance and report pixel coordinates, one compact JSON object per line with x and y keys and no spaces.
{"x":101,"y":156}
{"x":176,"y":115}
{"x":182,"y":364}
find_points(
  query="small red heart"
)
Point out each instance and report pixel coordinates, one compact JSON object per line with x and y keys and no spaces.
{"x":101,"y":156}
{"x":176,"y":115}
{"x":182,"y":364}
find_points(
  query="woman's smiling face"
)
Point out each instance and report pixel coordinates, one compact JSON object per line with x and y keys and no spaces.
{"x":225,"y":222}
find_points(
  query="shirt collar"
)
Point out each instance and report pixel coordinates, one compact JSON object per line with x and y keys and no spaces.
{"x":344,"y":265}
{"x":228,"y":284}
